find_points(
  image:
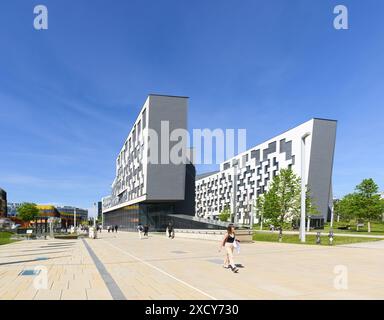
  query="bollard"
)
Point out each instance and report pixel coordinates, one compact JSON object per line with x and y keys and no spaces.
{"x":318,"y":238}
{"x":280,"y":234}
{"x":330,"y":237}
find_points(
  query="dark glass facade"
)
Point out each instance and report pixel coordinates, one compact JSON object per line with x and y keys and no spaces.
{"x":126,"y":218}
{"x":181,"y":222}
{"x":153,"y":214}
{"x":156,"y":215}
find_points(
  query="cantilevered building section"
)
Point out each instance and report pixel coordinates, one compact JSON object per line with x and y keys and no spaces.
{"x":250,"y":173}
{"x":145,"y":191}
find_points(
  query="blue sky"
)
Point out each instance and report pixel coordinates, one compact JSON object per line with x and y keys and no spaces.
{"x":68,"y":95}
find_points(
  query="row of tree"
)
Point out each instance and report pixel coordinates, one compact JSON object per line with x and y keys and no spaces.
{"x":363,"y":205}
{"x":281,"y":204}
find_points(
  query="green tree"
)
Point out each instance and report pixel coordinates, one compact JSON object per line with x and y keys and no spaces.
{"x":382,"y":209}
{"x":281,"y":203}
{"x":368,"y":201}
{"x":311,"y":208}
{"x":346,"y":208}
{"x":84,"y":223}
{"x":225,"y":214}
{"x":28,"y":212}
{"x":367,"y":188}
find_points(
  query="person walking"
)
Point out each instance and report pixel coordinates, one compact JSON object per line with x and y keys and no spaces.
{"x":140,"y":229}
{"x":116,"y":227}
{"x":229,"y":243}
{"x":109,"y":229}
{"x":171,"y":232}
{"x":146,"y":229}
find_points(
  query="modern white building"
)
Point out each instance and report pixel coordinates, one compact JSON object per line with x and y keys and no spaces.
{"x":244,"y":177}
{"x":144,"y":191}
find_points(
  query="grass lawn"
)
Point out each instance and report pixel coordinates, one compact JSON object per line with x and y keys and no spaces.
{"x":377,"y":228}
{"x":310,"y":239}
{"x":5,"y":238}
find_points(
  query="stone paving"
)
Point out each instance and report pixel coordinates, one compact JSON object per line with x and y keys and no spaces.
{"x":118,"y":266}
{"x":71,"y":274}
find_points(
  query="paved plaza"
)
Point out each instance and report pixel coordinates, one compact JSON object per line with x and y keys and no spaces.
{"x":121,"y":266}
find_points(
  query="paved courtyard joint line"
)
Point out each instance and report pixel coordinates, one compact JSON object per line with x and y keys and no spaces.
{"x":112,"y":286}
{"x":162,"y":271}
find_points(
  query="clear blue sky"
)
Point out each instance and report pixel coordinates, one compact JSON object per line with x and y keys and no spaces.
{"x":68,"y":95}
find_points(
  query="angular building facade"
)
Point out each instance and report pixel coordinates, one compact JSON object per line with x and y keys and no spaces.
{"x":144,"y":191}
{"x":250,"y":173}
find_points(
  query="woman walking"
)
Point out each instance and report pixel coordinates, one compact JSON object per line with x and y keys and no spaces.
{"x":171,"y":231}
{"x":228,"y":244}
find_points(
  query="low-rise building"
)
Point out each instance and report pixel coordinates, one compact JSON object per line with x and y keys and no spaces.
{"x":67,"y":215}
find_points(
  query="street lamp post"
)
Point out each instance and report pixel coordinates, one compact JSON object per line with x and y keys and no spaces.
{"x":74,"y":219}
{"x":254,"y":203}
{"x":234,"y":206}
{"x":332,"y":215}
{"x":51,"y":227}
{"x":94,"y":220}
{"x":102,"y":217}
{"x":303,"y":188}
{"x":250,"y":211}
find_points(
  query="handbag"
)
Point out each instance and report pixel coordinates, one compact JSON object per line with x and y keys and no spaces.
{"x":236,"y":245}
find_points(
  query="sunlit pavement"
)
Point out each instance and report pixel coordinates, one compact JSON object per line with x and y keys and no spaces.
{"x":122,"y":266}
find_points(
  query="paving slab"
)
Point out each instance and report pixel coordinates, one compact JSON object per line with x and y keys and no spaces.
{"x":162,"y":268}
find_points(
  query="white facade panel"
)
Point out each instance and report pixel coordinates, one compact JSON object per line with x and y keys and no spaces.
{"x":258,"y":165}
{"x":136,"y":179}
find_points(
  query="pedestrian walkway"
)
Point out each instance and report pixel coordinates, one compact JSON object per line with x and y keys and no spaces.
{"x":121,"y":266}
{"x":366,"y":245}
{"x":71,"y":273}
